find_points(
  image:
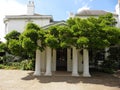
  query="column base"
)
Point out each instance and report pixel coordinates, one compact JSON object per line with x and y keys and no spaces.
{"x":48,"y":74}
{"x":37,"y":74}
{"x":75,"y":74}
{"x":86,"y":75}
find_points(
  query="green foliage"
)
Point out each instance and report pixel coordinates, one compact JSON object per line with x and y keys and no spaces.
{"x":6,"y":59}
{"x":113,"y":60}
{"x":15,"y":47}
{"x":12,"y":35}
{"x":11,"y":65}
{"x":71,"y":22}
{"x":24,"y":44}
{"x":28,"y":45}
{"x":2,"y":66}
{"x":51,"y":37}
{"x":82,"y":41}
{"x":114,"y":54}
{"x":32,"y":34}
{"x":3,"y":47}
{"x":28,"y":65}
{"x":32,"y":26}
{"x":53,"y":31}
{"x":93,"y":33}
{"x":64,"y":36}
{"x":41,"y":39}
{"x":58,"y":37}
{"x":109,"y":66}
{"x":30,"y":37}
{"x":107,"y":20}
{"x":12,"y":40}
{"x":112,"y":35}
{"x":98,"y":32}
{"x":51,"y":41}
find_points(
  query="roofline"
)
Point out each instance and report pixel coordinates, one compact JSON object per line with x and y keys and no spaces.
{"x":54,"y":23}
{"x":27,"y":16}
{"x":114,"y":14}
{"x":7,"y":17}
{"x":95,"y":15}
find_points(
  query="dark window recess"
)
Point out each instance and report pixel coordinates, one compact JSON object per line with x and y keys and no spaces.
{"x":61,"y":59}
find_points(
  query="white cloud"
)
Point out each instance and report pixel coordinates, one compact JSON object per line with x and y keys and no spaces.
{"x":83,"y":8}
{"x":9,"y":7}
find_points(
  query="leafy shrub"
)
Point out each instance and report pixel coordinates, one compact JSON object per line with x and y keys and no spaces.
{"x":27,"y":65}
{"x":11,"y":65}
{"x":109,"y":66}
{"x":7,"y":59}
{"x":16,"y":65}
{"x":1,"y":66}
{"x":15,"y":47}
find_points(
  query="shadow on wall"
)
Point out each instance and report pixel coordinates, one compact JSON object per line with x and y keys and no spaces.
{"x":112,"y":80}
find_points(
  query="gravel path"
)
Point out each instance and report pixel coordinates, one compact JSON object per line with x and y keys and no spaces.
{"x":24,"y":80}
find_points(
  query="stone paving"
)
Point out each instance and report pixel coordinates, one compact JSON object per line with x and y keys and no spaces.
{"x":24,"y":80}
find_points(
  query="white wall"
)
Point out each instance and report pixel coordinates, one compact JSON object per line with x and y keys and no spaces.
{"x":15,"y":25}
{"x":19,"y":24}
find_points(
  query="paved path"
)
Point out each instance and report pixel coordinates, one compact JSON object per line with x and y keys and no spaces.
{"x":24,"y":80}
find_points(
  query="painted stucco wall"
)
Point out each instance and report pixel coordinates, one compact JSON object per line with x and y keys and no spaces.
{"x":19,"y":24}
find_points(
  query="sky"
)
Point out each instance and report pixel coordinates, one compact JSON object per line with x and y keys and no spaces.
{"x":59,"y":9}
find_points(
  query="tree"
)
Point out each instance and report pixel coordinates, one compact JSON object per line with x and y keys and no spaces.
{"x":3,"y":47}
{"x":25,"y":44}
{"x":12,"y":35}
{"x":94,"y":32}
{"x":15,"y":47}
{"x":32,"y":26}
{"x":58,"y":37}
{"x":12,"y":40}
{"x":30,"y":37}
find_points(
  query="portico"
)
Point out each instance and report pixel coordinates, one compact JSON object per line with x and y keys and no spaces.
{"x":67,"y":59}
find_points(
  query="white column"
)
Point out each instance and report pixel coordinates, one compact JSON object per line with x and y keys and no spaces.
{"x":75,"y":63}
{"x":37,"y":63}
{"x":106,"y":53}
{"x":54,"y":60}
{"x":69,"y":59}
{"x":48,"y":62}
{"x":86,"y":63}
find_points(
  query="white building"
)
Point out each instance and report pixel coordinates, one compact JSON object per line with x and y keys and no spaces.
{"x":18,"y":22}
{"x":68,"y":59}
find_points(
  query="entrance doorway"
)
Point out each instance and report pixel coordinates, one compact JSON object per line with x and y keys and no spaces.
{"x":61,"y":59}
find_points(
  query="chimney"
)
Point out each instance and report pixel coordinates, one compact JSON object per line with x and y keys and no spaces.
{"x":30,"y":7}
{"x":71,"y":15}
